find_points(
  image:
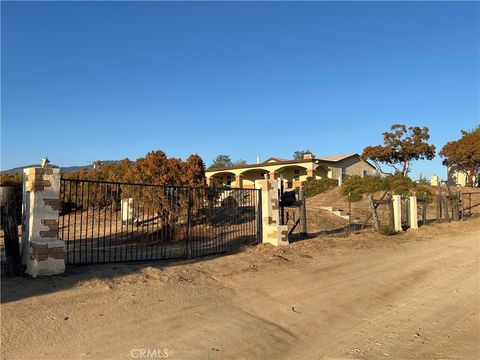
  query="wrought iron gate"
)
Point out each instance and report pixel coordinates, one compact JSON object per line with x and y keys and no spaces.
{"x":104,"y":222}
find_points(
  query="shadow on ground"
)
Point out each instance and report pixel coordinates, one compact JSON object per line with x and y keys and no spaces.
{"x":22,"y":287}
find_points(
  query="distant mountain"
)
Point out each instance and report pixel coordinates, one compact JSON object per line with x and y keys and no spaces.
{"x":19,"y":170}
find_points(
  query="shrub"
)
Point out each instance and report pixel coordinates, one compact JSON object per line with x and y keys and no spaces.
{"x":15,"y":180}
{"x":424,"y":193}
{"x":387,"y":230}
{"x":354,"y":187}
{"x":313,"y":186}
{"x":398,"y":184}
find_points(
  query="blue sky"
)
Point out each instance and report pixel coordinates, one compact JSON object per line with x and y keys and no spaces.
{"x":108,"y":80}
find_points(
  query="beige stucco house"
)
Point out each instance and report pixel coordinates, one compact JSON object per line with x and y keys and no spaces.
{"x":457,"y":177}
{"x":294,"y":172}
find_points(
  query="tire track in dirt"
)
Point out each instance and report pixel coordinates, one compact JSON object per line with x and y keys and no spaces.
{"x":427,"y":259}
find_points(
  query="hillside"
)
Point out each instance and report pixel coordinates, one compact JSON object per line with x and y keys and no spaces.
{"x":19,"y":169}
{"x":361,"y":210}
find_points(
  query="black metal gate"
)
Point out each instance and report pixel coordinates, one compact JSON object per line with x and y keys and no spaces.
{"x":104,"y":222}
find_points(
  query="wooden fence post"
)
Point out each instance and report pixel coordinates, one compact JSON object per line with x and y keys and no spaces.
{"x":424,"y":212}
{"x":9,"y":225}
{"x":439,"y":207}
{"x":445,"y":205}
{"x":455,"y":207}
{"x":390,"y":215}
{"x":303,"y":213}
{"x":374,"y":213}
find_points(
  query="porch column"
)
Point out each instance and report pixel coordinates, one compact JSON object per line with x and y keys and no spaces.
{"x":42,"y":251}
{"x":272,"y":175}
{"x":272,"y":231}
{"x":210,"y":181}
{"x":239,"y":180}
{"x":311,"y":173}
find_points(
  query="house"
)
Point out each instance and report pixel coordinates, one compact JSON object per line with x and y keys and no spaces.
{"x":457,"y":177}
{"x":294,"y":172}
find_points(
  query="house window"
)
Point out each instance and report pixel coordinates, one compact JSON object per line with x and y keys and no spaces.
{"x":296,"y":175}
{"x":365,"y":173}
{"x":229,"y":180}
{"x":344,"y":173}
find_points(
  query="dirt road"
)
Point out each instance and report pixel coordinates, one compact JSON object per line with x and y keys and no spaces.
{"x":410,"y":296}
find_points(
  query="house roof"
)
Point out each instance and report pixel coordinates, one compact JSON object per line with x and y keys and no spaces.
{"x":274,"y":159}
{"x":335,"y":157}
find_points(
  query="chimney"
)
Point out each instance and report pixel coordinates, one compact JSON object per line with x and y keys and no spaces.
{"x":258,"y":159}
{"x":308,"y":156}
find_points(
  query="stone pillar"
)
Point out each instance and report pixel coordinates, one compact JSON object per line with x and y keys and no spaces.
{"x":272,"y":231}
{"x":413,"y":214}
{"x":42,"y":252}
{"x":310,"y":173}
{"x":239,"y":181}
{"x":397,"y":212}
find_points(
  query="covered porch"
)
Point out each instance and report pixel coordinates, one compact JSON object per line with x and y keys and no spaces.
{"x":293,"y":175}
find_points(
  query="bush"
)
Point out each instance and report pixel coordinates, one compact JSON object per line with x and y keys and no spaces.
{"x":398,"y":184}
{"x":424,"y":194}
{"x":313,"y":187}
{"x":354,"y":187}
{"x":387,"y":230}
{"x":15,"y":180}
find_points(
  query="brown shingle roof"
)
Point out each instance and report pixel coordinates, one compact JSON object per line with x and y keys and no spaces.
{"x":334,"y":157}
{"x":276,"y":159}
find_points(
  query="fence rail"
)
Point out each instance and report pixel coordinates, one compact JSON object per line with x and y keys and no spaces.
{"x":102,"y":221}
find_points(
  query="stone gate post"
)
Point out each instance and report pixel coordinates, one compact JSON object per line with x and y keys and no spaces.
{"x":397,"y":212}
{"x":42,"y":252}
{"x":413,"y":213}
{"x":272,"y":231}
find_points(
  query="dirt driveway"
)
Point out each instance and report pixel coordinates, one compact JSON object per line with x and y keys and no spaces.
{"x":410,"y":296}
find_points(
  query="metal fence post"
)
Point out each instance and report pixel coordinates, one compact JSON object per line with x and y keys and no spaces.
{"x":189,"y":222}
{"x":259,"y":216}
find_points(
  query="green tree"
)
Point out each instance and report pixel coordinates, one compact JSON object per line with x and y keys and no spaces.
{"x":401,"y":146}
{"x":475,"y":131}
{"x":222,"y":161}
{"x":225,"y":161}
{"x":239,"y":162}
{"x":298,"y":155}
{"x":423,"y":180}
